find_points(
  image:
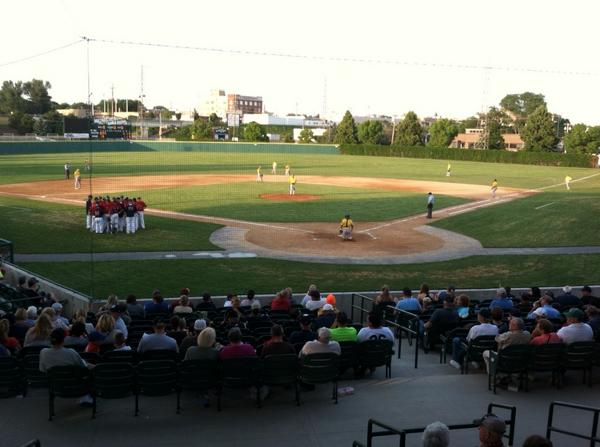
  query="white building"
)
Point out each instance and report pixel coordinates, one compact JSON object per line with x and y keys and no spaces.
{"x":317,"y":132}
{"x":267,"y":119}
{"x":215,"y":102}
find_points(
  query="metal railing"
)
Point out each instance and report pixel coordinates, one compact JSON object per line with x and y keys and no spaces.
{"x":406,"y":322}
{"x":7,"y":251}
{"x":593,"y":437}
{"x":389,"y":430}
{"x":360,"y":308}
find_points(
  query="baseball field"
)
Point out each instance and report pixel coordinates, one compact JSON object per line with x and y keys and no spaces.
{"x":212,"y":226}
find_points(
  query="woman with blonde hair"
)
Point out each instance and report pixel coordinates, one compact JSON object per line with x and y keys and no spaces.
{"x":184,"y":305}
{"x":206,"y":349}
{"x":106,"y":327}
{"x":39,"y":334}
{"x":111,"y":301}
{"x":384,"y":296}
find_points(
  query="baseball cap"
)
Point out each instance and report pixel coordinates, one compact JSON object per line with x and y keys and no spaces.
{"x":199,"y":325}
{"x":567,"y":289}
{"x":57,"y":306}
{"x":493,"y":423}
{"x":327,"y":307}
{"x":330,"y":299}
{"x":32,"y":310}
{"x":575,"y":313}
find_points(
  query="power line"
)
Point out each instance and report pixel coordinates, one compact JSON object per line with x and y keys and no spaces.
{"x":343,"y":59}
{"x":23,"y":59}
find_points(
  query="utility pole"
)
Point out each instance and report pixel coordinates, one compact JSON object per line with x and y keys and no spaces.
{"x":141,"y":104}
{"x":393,"y":129}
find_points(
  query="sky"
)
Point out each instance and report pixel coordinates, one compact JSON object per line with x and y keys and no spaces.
{"x":420,"y":47}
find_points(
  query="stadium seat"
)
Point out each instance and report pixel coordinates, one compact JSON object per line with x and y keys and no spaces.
{"x":113,"y":381}
{"x":67,"y":382}
{"x":320,"y":368}
{"x":158,"y":378}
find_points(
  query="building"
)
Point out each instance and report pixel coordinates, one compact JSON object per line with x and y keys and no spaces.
{"x":316,"y":133}
{"x":244,"y":104}
{"x":215,"y":102}
{"x":267,"y":119}
{"x":469,"y":140}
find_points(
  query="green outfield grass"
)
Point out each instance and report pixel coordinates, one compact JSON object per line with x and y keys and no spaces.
{"x":30,"y":167}
{"x":267,"y":276}
{"x":40,"y":227}
{"x":242,"y":201}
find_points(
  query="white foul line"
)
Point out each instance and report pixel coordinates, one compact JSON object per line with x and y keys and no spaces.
{"x":543,"y":206}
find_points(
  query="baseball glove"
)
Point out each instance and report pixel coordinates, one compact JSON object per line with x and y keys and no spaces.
{"x":340,"y":231}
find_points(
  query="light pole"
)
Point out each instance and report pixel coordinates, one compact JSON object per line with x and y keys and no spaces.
{"x":393,"y":129}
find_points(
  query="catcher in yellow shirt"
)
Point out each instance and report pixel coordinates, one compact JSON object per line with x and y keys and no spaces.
{"x":292,"y":180}
{"x":346,"y":227}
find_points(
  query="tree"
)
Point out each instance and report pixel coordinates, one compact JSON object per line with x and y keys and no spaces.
{"x":11,"y":97}
{"x":494,"y":127}
{"x":215,"y":121}
{"x":442,"y":132}
{"x":470,"y":123}
{"x":36,"y":92}
{"x":409,"y":131}
{"x":21,"y":122}
{"x":582,"y":139}
{"x":346,"y":132}
{"x":255,"y":132}
{"x":201,"y":130}
{"x":521,"y":106}
{"x":539,"y":134}
{"x":371,"y":132}
{"x":306,"y":136}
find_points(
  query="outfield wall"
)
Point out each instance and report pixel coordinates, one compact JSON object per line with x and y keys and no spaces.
{"x":55,"y":147}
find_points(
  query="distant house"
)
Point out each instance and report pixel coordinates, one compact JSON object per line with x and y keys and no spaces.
{"x":512,"y":141}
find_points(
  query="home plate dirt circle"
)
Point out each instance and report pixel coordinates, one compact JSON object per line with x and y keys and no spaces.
{"x":289,"y":198}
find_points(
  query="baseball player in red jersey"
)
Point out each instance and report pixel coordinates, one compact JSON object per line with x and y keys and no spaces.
{"x":140,"y":206}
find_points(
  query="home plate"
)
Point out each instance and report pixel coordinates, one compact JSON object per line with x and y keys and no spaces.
{"x":242,"y":255}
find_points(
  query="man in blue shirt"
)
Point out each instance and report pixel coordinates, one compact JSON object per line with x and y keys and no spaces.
{"x":408,"y":302}
{"x":501,"y":300}
{"x":545,"y":309}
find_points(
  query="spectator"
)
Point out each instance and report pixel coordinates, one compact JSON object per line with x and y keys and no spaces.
{"x":22,"y":285}
{"x":178,"y":329}
{"x":516,"y":335}
{"x":276,"y":345}
{"x":305,"y":334}
{"x":497,"y":315}
{"x":32,"y":315}
{"x":95,"y":339}
{"x":281,"y":302}
{"x":536,"y":293}
{"x":330,"y":299}
{"x":256,"y":316}
{"x":134,"y":309}
{"x":374,"y":330}
{"x":450,"y":290}
{"x":544,"y":334}
{"x":236,"y":348}
{"x":441,"y":321}
{"x":250,"y":299}
{"x":33,"y":288}
{"x":229,"y":299}
{"x":462,"y":306}
{"x":231,"y":320}
{"x":106,"y":327}
{"x":307,"y":297}
{"x":325,"y":316}
{"x":567,"y":299}
{"x":408,"y":303}
{"x":120,"y":344}
{"x":58,"y":355}
{"x":111,"y":301}
{"x":588,"y":298}
{"x":82,"y":315}
{"x":39,"y":334}
{"x":491,"y":429}
{"x":77,"y":336}
{"x":192,"y":339}
{"x":157,"y":340}
{"x":10,"y":343}
{"x":322,"y":344}
{"x":424,"y":295}
{"x":116,"y":312}
{"x":341,"y":331}
{"x":177,"y":302}
{"x":575,"y":330}
{"x":543,"y":309}
{"x":483,"y":328}
{"x":436,"y":434}
{"x":525,"y":305}
{"x":501,"y":300}
{"x":157,"y":305}
{"x":315,"y":301}
{"x":206,"y":304}
{"x":21,"y":325}
{"x":206,"y":346}
{"x":385,"y":296}
{"x":537,"y":441}
{"x":509,"y":293}
{"x":184,"y":306}
{"x":593,"y":314}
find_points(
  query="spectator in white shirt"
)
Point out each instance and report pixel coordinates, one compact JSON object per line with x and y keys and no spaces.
{"x":483,"y":328}
{"x":315,"y":301}
{"x":375,"y":331}
{"x":307,"y":297}
{"x":575,"y":330}
{"x":322,"y":344}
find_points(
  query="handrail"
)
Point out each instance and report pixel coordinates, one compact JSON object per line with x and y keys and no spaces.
{"x":389,"y":430}
{"x":362,"y":308}
{"x":593,"y":437}
{"x":412,"y":319}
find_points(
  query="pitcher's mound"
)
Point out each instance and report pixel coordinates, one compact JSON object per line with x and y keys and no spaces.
{"x":288,"y":198}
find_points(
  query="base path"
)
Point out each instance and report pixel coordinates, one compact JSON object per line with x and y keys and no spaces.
{"x":405,"y":240}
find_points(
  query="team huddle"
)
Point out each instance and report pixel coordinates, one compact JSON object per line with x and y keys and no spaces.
{"x":116,"y":215}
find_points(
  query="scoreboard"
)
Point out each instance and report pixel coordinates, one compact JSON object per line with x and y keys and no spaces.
{"x":97,"y":129}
